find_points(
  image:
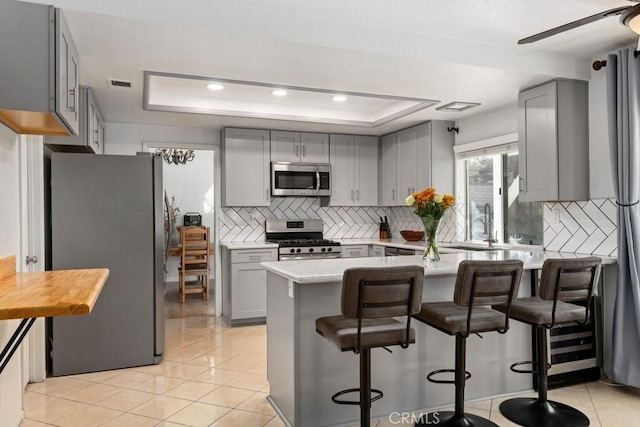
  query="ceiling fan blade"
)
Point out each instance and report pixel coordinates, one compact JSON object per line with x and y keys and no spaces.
{"x":574,"y":24}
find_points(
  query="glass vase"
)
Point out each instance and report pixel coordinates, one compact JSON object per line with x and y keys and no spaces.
{"x":431,"y":225}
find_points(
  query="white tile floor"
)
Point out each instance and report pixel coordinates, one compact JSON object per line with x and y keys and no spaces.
{"x":214,"y":375}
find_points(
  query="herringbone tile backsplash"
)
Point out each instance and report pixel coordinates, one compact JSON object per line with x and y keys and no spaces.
{"x":584,"y":227}
{"x":587,"y":227}
{"x":247,"y":224}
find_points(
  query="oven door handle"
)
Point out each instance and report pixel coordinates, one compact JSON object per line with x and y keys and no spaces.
{"x":317,"y":181}
{"x":307,"y":257}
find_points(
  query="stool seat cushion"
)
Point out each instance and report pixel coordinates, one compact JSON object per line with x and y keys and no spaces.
{"x":537,"y":311}
{"x":452,"y":318}
{"x":381,"y":332}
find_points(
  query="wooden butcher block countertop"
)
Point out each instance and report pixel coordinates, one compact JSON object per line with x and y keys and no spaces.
{"x":47,"y":293}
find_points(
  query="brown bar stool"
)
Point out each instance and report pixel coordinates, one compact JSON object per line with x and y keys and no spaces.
{"x":372,"y":300}
{"x":478,"y":285}
{"x":562,"y":280}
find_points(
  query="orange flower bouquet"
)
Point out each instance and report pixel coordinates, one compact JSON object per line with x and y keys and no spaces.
{"x":430,"y":207}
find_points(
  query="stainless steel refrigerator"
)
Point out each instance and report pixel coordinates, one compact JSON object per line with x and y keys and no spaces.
{"x":107,"y":211}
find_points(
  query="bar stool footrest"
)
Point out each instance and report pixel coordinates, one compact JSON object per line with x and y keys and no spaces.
{"x":467,"y":375}
{"x":533,"y":412}
{"x":533,"y":370}
{"x":334,"y":398}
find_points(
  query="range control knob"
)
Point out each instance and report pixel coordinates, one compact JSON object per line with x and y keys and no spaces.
{"x":298,"y":250}
{"x":328,"y":249}
{"x":310,"y":250}
{"x":324,"y":249}
{"x":292,"y":250}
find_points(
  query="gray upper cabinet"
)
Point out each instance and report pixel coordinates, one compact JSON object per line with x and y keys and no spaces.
{"x":354,"y":170}
{"x":553,"y":141}
{"x":423,"y":157}
{"x":299,"y":147}
{"x":39,"y":69}
{"x":245,"y":155}
{"x":388,"y":168}
{"x":91,"y":138}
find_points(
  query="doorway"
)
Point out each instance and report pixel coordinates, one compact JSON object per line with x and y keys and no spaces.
{"x":190,"y":190}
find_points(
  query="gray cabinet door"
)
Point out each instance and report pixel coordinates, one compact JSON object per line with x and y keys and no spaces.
{"x":245,"y":162}
{"x":248,"y":291}
{"x":342,"y":153}
{"x":285,"y":146}
{"x":554,"y":141}
{"x":365,"y":170}
{"x":538,"y":153}
{"x":314,"y":147}
{"x":388,"y":168}
{"x":67,"y":67}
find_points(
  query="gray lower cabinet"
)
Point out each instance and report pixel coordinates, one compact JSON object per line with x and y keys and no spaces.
{"x":244,"y":285}
{"x":376,"y":250}
{"x":354,"y":251}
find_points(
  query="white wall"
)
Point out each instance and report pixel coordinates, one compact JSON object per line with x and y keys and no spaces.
{"x":600,"y":178}
{"x":489,"y":124}
{"x":10,"y":380}
{"x":121,"y":138}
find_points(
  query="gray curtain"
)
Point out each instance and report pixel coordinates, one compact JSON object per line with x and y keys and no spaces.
{"x":623,"y":98}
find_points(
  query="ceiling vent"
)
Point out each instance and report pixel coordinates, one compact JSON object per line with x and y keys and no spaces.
{"x":115,"y":84}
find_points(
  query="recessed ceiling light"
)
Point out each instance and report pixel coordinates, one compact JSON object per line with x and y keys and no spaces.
{"x":339,"y":98}
{"x":458,"y":106}
{"x":279,"y":92}
{"x":215,"y":86}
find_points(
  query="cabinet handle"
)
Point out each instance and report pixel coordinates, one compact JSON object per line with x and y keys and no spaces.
{"x":352,"y":196}
{"x":393,"y":194}
{"x":303,"y":152}
{"x":357,"y":195}
{"x":520,"y":182}
{"x":296,"y":149}
{"x":266,"y":194}
{"x":71,"y":106}
{"x":409,"y":191}
{"x":254,"y":257}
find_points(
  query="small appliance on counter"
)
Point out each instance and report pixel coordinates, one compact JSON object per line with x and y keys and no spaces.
{"x":192,"y":219}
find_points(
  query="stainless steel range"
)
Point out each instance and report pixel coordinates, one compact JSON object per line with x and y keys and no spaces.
{"x":300,"y":239}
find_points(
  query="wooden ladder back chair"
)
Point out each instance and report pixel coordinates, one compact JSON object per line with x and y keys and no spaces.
{"x":194,"y":261}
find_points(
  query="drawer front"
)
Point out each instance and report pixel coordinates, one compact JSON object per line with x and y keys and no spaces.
{"x":377,"y":250}
{"x":253,"y":255}
{"x":354,"y":251}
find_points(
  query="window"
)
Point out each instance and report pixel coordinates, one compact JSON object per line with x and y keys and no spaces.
{"x":489,"y":191}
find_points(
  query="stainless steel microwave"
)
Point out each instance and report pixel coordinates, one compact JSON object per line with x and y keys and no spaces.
{"x":300,"y":179}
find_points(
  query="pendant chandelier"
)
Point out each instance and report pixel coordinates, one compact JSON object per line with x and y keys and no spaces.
{"x":176,"y":156}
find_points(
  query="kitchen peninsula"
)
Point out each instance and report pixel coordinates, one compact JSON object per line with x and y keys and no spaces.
{"x":304,"y":369}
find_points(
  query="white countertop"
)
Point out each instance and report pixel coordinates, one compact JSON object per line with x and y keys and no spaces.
{"x":249,"y":245}
{"x":332,"y":270}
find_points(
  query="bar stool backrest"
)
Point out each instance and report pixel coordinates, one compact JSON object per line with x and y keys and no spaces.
{"x":482,"y":283}
{"x":382,"y":292}
{"x":487,"y":282}
{"x":569,"y":280}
